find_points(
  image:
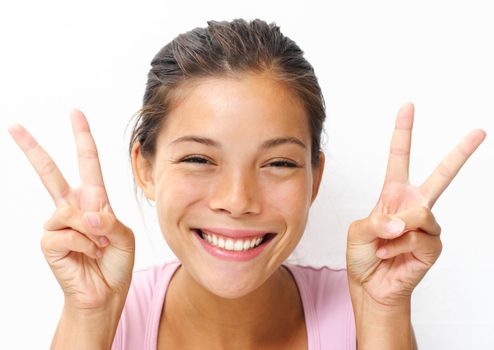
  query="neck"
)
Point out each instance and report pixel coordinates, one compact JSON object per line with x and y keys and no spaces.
{"x":269,"y":314}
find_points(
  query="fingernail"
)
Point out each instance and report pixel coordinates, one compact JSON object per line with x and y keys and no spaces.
{"x":103,"y":241}
{"x":92,"y":219}
{"x":395,"y":226}
{"x":381,"y":252}
{"x":99,"y":253}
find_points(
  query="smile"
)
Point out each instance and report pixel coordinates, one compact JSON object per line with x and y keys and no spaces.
{"x":233,"y":248}
{"x":231,"y":244}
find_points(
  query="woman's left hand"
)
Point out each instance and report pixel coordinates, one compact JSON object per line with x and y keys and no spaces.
{"x":410,"y":251}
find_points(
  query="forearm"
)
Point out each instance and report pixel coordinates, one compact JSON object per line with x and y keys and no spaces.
{"x":78,"y":330}
{"x":382,"y":327}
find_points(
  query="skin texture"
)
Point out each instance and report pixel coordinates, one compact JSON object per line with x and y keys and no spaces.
{"x":238,"y":185}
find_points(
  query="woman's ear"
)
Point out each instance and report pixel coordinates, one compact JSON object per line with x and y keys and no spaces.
{"x":317,"y":176}
{"x":143,"y":171}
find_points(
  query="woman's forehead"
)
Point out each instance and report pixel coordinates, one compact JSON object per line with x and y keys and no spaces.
{"x":248,"y":103}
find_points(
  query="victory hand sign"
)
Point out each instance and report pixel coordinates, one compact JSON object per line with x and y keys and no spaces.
{"x":90,"y":252}
{"x":389,"y":252}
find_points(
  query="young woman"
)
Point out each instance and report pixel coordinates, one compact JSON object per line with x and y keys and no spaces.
{"x":227,"y":145}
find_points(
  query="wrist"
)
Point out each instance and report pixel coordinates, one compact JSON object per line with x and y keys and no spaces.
{"x":381,"y":326}
{"x":87,"y":328}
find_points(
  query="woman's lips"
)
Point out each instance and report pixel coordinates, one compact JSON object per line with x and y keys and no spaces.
{"x":233,"y":255}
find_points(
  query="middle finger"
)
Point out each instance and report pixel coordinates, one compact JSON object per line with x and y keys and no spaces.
{"x":89,"y":165}
{"x":399,"y":153}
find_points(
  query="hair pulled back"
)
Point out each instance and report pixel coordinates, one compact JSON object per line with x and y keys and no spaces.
{"x":222,"y":49}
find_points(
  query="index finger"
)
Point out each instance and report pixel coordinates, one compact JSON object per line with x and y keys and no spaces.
{"x":445,"y":172}
{"x":50,"y":175}
{"x":89,"y":165}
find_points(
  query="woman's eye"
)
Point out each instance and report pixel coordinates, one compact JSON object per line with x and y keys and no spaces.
{"x":283,"y":163}
{"x":196,"y":159}
{"x":277,"y":164}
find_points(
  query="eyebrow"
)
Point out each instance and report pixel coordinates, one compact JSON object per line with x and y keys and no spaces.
{"x":265,"y":145}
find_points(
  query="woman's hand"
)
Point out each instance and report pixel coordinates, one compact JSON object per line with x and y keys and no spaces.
{"x":387,"y":262}
{"x":90,"y":252}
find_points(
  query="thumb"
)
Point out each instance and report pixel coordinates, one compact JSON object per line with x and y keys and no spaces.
{"x":377,"y":225}
{"x":106,"y":224}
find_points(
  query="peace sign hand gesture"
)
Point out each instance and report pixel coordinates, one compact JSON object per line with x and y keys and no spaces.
{"x":90,"y":252}
{"x":385,"y":260}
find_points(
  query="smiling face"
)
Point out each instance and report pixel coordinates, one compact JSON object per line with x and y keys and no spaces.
{"x":234,"y":153}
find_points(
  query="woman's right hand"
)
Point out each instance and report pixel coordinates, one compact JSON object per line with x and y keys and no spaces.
{"x":90,"y":252}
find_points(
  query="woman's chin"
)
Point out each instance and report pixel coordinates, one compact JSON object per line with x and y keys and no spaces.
{"x":229,"y":286}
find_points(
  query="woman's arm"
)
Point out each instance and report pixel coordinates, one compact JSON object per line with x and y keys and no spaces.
{"x":390,"y":251}
{"x":382,"y":327}
{"x":94,"y":330}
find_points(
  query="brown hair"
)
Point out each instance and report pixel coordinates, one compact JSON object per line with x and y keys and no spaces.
{"x":225,"y":48}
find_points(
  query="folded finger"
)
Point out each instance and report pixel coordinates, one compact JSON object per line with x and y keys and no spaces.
{"x":102,"y":228}
{"x":419,"y":218}
{"x":58,"y":244}
{"x":424,"y":247}
{"x":70,"y":217}
{"x":388,"y":226}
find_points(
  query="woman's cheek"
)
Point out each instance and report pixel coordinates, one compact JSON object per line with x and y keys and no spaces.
{"x":291,"y":195}
{"x":175,"y":194}
{"x":180,"y":185}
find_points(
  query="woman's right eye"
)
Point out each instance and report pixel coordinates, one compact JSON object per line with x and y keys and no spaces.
{"x":195,"y":159}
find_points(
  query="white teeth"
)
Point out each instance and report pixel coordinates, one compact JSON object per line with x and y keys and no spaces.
{"x":239,"y":245}
{"x":246,"y":245}
{"x":230,"y":244}
{"x":221,"y":243}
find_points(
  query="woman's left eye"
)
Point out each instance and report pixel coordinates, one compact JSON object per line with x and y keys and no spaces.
{"x":283,"y":163}
{"x":195,"y":159}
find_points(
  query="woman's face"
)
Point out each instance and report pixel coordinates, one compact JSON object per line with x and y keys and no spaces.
{"x":218,"y":170}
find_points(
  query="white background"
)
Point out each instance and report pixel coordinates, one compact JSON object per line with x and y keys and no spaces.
{"x":370,"y":58}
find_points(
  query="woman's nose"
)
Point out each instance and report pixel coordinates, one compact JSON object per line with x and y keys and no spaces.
{"x":236,"y":193}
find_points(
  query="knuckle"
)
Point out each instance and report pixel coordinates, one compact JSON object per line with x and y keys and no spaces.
{"x":127,"y":233}
{"x":65,"y":212}
{"x":47,"y":168}
{"x":399,"y":151}
{"x":414,"y":238}
{"x":112,"y":221}
{"x":439,"y":246}
{"x":70,"y":237}
{"x":88,"y":153}
{"x":353,"y":225}
{"x":45,"y":240}
{"x":424,"y":213}
{"x":90,"y":249}
{"x":444,"y":171}
{"x":374,"y":221}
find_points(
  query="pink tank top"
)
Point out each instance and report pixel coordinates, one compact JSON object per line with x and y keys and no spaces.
{"x":324,"y":293}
